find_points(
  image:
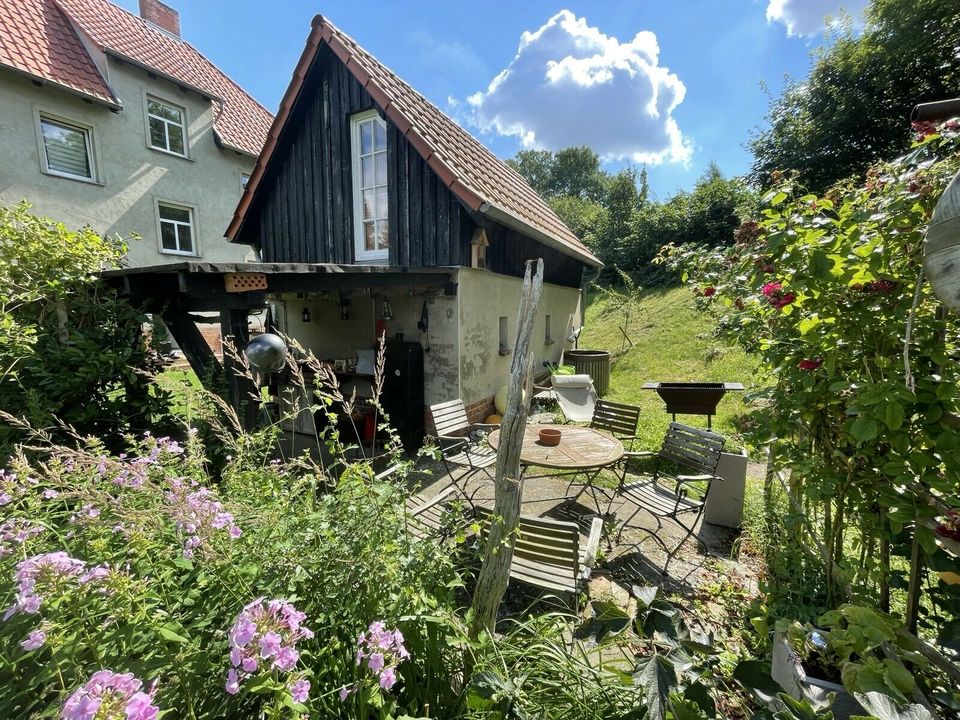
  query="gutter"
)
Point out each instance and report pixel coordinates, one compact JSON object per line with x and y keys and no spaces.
{"x":505,"y":218}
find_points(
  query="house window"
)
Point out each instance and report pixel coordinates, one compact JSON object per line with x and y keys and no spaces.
{"x":167,"y":127}
{"x":371,"y":222}
{"x":504,"y":336}
{"x":176,"y":229}
{"x":67,"y":149}
{"x":244,"y":179}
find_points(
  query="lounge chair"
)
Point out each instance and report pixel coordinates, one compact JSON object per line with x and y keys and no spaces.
{"x":685,"y":447}
{"x":576,"y":395}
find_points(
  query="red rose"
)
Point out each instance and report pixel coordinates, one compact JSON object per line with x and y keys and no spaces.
{"x":738,"y":303}
{"x":769,"y":268}
{"x":771,"y":289}
{"x":709,"y":292}
{"x":810,"y":364}
{"x":784,"y":300}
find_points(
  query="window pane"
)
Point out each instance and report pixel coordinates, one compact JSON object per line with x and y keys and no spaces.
{"x":381,"y":163}
{"x":381,"y":202}
{"x":66,"y":148}
{"x":165,"y":111}
{"x":366,"y":172}
{"x":366,"y":140}
{"x":383,"y":241}
{"x":380,"y":136}
{"x":368,"y":239}
{"x":168,"y":212}
{"x":186,"y":238}
{"x":168,"y":236}
{"x":176,"y":139}
{"x":368,"y":206}
{"x":158,"y":137}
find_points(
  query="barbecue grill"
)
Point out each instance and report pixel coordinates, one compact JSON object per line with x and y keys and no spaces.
{"x":692,"y":398}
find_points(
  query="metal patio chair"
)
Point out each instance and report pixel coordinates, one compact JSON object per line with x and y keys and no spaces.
{"x":667,"y":496}
{"x":460,"y":444}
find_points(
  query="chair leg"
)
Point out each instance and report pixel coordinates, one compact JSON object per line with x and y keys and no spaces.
{"x":686,"y":537}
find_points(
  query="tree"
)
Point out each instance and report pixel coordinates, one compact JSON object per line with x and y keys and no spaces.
{"x":854,"y":106}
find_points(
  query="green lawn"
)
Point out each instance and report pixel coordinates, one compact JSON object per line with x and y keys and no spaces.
{"x":672,"y":341}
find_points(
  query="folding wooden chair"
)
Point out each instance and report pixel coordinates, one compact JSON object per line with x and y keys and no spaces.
{"x":457,"y":448}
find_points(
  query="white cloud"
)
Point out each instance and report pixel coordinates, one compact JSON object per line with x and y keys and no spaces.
{"x":807,"y":17}
{"x":570,"y":84}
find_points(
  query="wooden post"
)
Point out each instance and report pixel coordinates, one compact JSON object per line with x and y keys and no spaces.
{"x":498,"y":554}
{"x":243,"y":391}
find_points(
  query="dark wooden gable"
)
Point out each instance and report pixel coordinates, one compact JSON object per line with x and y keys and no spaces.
{"x":303,"y":210}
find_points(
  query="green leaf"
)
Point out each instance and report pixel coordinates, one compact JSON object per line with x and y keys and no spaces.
{"x":893,"y":415}
{"x":656,"y":676}
{"x":883,"y":708}
{"x":755,"y":676}
{"x":864,"y":429}
{"x":166,"y":633}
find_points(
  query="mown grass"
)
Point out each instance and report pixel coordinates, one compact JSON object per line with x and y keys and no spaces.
{"x":672,"y":341}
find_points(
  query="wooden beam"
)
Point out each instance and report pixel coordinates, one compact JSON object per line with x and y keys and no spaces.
{"x":191,"y":341}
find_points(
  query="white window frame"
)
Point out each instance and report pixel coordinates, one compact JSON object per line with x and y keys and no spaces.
{"x":89,"y":140}
{"x":360,"y":251}
{"x":194,"y":234}
{"x":184,"y":124}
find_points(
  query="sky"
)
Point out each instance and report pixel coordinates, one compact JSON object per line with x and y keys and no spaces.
{"x":672,"y":86}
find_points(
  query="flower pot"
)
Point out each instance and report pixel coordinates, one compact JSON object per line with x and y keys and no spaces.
{"x":549,"y":436}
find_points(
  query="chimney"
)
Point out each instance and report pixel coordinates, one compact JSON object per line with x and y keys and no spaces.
{"x":163,"y":16}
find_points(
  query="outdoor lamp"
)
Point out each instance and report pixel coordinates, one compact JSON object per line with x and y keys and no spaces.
{"x":306,"y":315}
{"x":344,"y":307}
{"x":386,"y":312}
{"x":266,"y":352}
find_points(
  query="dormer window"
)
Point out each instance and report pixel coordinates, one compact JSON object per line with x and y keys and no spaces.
{"x":370,"y":218}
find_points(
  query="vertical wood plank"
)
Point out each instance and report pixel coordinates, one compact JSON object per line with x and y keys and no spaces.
{"x":403,"y":204}
{"x":329,"y":231}
{"x":336,"y":161}
{"x":443,"y":225}
{"x":455,"y":239}
{"x":393,"y":189}
{"x":429,"y":208}
{"x":415,"y":211}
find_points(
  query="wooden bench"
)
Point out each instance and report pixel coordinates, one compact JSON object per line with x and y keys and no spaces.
{"x":667,"y":496}
{"x":547,"y":553}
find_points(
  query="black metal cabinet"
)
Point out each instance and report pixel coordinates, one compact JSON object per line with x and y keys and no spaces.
{"x":403,"y":391}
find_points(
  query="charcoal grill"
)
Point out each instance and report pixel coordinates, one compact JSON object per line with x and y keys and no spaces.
{"x":692,"y":398}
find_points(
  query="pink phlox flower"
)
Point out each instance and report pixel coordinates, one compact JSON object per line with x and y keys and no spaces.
{"x":388,"y":678}
{"x":269,"y":645}
{"x":300,"y":691}
{"x":34,"y":639}
{"x":286,"y":659}
{"x":249,"y":664}
{"x":346,"y":692}
{"x":117,"y":690}
{"x":233,"y":682}
{"x":93,"y":574}
{"x":375,"y":662}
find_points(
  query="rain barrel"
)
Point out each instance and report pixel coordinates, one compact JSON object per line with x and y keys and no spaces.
{"x":595,"y":363}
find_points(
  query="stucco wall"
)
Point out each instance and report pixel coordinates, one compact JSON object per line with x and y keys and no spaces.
{"x":132,"y":176}
{"x":483,"y":298}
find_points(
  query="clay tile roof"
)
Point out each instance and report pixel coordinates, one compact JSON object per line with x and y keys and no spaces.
{"x":35,"y":30}
{"x":37,"y":39}
{"x":479,"y":178}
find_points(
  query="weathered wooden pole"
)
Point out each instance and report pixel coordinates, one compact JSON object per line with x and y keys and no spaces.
{"x":495,"y":571}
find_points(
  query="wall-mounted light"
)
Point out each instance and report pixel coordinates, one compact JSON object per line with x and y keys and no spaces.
{"x":307,"y":317}
{"x":344,"y":307}
{"x":386,"y":312}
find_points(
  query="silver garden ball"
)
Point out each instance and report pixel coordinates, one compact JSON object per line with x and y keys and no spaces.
{"x":266,"y":352}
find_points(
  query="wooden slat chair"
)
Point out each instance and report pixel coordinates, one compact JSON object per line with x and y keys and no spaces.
{"x":618,"y":419}
{"x":688,"y":448}
{"x":457,"y":449}
{"x":440,"y":515}
{"x":547,"y":553}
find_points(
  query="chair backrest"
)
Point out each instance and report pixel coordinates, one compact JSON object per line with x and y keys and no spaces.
{"x":576,"y":395}
{"x":450,"y":418}
{"x":618,"y":419}
{"x":428,"y":516}
{"x":546,"y":552}
{"x":692,"y":447}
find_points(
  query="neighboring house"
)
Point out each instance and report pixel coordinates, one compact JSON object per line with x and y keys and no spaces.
{"x":113,"y":120}
{"x":376,"y":213}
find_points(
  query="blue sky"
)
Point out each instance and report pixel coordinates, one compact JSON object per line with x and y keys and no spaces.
{"x":585,"y":77}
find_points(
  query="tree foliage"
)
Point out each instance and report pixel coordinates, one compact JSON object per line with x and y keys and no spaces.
{"x":69,"y":347}
{"x":854,"y":107}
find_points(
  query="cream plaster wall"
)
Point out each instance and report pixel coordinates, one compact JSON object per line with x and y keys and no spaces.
{"x":132,"y":177}
{"x":483,"y":298}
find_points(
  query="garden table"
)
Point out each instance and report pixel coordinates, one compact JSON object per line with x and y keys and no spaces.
{"x":582,"y":451}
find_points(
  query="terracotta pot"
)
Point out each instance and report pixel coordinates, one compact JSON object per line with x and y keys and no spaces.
{"x":550,"y":436}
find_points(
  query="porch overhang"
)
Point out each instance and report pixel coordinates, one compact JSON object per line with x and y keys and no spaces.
{"x":198,"y":286}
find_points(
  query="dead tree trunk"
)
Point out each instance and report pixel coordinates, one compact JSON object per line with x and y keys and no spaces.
{"x":495,"y":571}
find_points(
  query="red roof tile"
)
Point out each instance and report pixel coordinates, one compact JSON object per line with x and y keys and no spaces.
{"x":479,"y":178}
{"x":36,"y":37}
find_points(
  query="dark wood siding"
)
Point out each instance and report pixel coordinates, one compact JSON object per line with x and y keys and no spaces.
{"x":303,"y":210}
{"x":509,"y":250}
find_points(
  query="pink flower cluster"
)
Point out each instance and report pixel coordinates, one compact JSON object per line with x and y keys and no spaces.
{"x":381,"y":650}
{"x":44,"y":572}
{"x":110,"y":696}
{"x":16,"y":531}
{"x":774,"y":294}
{"x":265,"y":636}
{"x":12,"y":486}
{"x":132,"y":472}
{"x":199,"y":514}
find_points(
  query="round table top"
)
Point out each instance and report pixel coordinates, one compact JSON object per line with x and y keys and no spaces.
{"x":580,"y":448}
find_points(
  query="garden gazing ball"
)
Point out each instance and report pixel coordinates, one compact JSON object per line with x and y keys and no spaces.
{"x":266,"y":352}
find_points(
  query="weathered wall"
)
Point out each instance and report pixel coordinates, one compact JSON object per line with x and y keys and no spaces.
{"x":483,"y":298}
{"x":132,"y":175}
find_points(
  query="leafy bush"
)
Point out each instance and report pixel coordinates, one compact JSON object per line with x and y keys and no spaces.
{"x":70,"y":350}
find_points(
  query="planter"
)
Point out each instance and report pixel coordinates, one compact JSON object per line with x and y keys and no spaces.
{"x":724,"y":504}
{"x":595,"y":363}
{"x":787,"y":669}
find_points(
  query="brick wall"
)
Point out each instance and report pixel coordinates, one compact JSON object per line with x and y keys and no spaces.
{"x":479,"y":411}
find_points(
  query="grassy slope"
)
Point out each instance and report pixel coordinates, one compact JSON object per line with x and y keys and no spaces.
{"x":672,"y":341}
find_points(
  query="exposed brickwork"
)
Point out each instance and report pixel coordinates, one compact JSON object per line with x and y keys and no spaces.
{"x":163,"y":16}
{"x":479,"y":411}
{"x":211,"y":333}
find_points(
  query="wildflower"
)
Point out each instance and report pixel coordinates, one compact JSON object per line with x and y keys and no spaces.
{"x":38,"y":573}
{"x":345,"y":692}
{"x":50,"y":494}
{"x":34,"y":639}
{"x":810,"y":364}
{"x":16,"y":531}
{"x":388,"y":678}
{"x":110,"y":696}
{"x":300,"y":691}
{"x":383,"y":650}
{"x":199,"y":514}
{"x":267,"y":631}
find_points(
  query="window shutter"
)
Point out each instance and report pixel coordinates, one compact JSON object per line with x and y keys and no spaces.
{"x":66,"y":149}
